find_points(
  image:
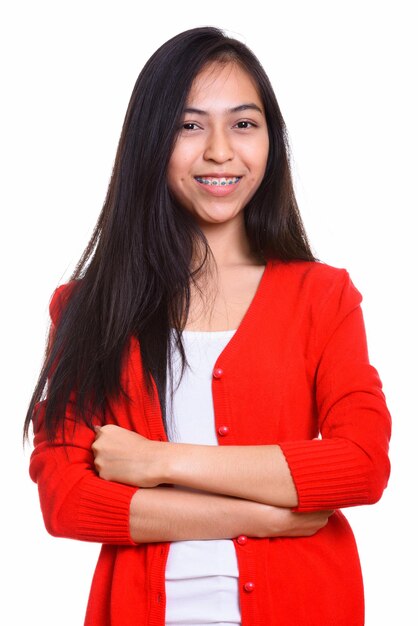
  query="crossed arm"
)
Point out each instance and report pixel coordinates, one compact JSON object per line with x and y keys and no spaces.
{"x":223,"y":491}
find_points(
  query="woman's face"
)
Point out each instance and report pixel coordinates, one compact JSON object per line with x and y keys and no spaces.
{"x":221,"y":151}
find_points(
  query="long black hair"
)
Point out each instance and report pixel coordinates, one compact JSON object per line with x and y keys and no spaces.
{"x":134,"y":276}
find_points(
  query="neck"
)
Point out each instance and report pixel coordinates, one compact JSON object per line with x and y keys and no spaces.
{"x":229,"y":243}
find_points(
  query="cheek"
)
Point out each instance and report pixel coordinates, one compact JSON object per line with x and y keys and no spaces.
{"x":177,"y":181}
{"x":177,"y":171}
{"x":173,"y":175}
{"x":259,"y":166}
{"x":183,"y":156}
{"x":264,"y":150}
{"x":256,"y":156}
{"x":174,"y":164}
{"x":263,"y":158}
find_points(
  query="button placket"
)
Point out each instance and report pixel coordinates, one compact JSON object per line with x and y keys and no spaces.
{"x":223,"y":431}
{"x":217,"y":372}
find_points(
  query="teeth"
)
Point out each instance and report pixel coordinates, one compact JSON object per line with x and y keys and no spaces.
{"x":218,"y":181}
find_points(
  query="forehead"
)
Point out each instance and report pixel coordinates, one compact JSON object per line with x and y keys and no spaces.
{"x":223,"y":84}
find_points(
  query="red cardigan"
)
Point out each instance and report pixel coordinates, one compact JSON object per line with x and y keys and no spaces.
{"x":296,"y":369}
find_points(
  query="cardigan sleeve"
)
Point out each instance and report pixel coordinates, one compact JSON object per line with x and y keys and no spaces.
{"x":75,"y":502}
{"x":348,"y":465}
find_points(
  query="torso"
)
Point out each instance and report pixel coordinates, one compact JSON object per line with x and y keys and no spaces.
{"x":223,"y":306}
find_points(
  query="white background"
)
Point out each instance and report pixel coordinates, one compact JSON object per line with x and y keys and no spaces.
{"x":345,"y":75}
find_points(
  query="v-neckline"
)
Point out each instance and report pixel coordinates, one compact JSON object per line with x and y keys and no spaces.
{"x":154,"y":417}
{"x":249,"y":314}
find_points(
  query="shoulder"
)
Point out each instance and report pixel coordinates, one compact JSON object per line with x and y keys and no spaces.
{"x":325,"y":294}
{"x":312,"y":271}
{"x":60,"y":299}
{"x":317,"y":279}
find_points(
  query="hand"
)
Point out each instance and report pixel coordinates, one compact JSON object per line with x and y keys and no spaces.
{"x":124,"y":456}
{"x":290,"y":524}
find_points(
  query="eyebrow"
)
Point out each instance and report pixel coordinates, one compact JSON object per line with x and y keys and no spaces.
{"x":241,"y":107}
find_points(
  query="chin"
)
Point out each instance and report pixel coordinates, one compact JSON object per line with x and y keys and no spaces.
{"x":218,"y":213}
{"x":217,"y":218}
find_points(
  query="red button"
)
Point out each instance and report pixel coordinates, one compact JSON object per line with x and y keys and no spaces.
{"x":217,"y":372}
{"x":223,"y":430}
{"x":250,"y":586}
{"x":242,"y":540}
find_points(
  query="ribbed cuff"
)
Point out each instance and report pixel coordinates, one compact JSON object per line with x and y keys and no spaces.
{"x":103,"y":512}
{"x":328,"y":474}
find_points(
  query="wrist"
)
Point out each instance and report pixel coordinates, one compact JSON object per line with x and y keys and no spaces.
{"x":185,"y":463}
{"x":166,"y":462}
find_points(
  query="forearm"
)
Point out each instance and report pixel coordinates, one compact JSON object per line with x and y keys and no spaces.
{"x":258,"y":473}
{"x":175,"y":514}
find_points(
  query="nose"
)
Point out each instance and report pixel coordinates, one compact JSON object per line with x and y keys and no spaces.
{"x":218,"y":147}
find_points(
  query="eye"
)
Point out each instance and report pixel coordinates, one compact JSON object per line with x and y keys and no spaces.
{"x":245,"y":124}
{"x":189,"y":126}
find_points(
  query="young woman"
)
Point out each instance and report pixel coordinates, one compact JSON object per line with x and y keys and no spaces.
{"x":209,"y":405}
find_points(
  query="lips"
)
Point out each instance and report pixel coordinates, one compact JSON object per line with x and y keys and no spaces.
{"x":216,"y":181}
{"x":218,"y":186}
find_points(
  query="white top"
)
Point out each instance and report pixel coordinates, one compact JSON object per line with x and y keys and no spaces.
{"x":201,"y":577}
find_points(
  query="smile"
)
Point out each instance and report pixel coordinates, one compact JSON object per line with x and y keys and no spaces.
{"x":215,"y":182}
